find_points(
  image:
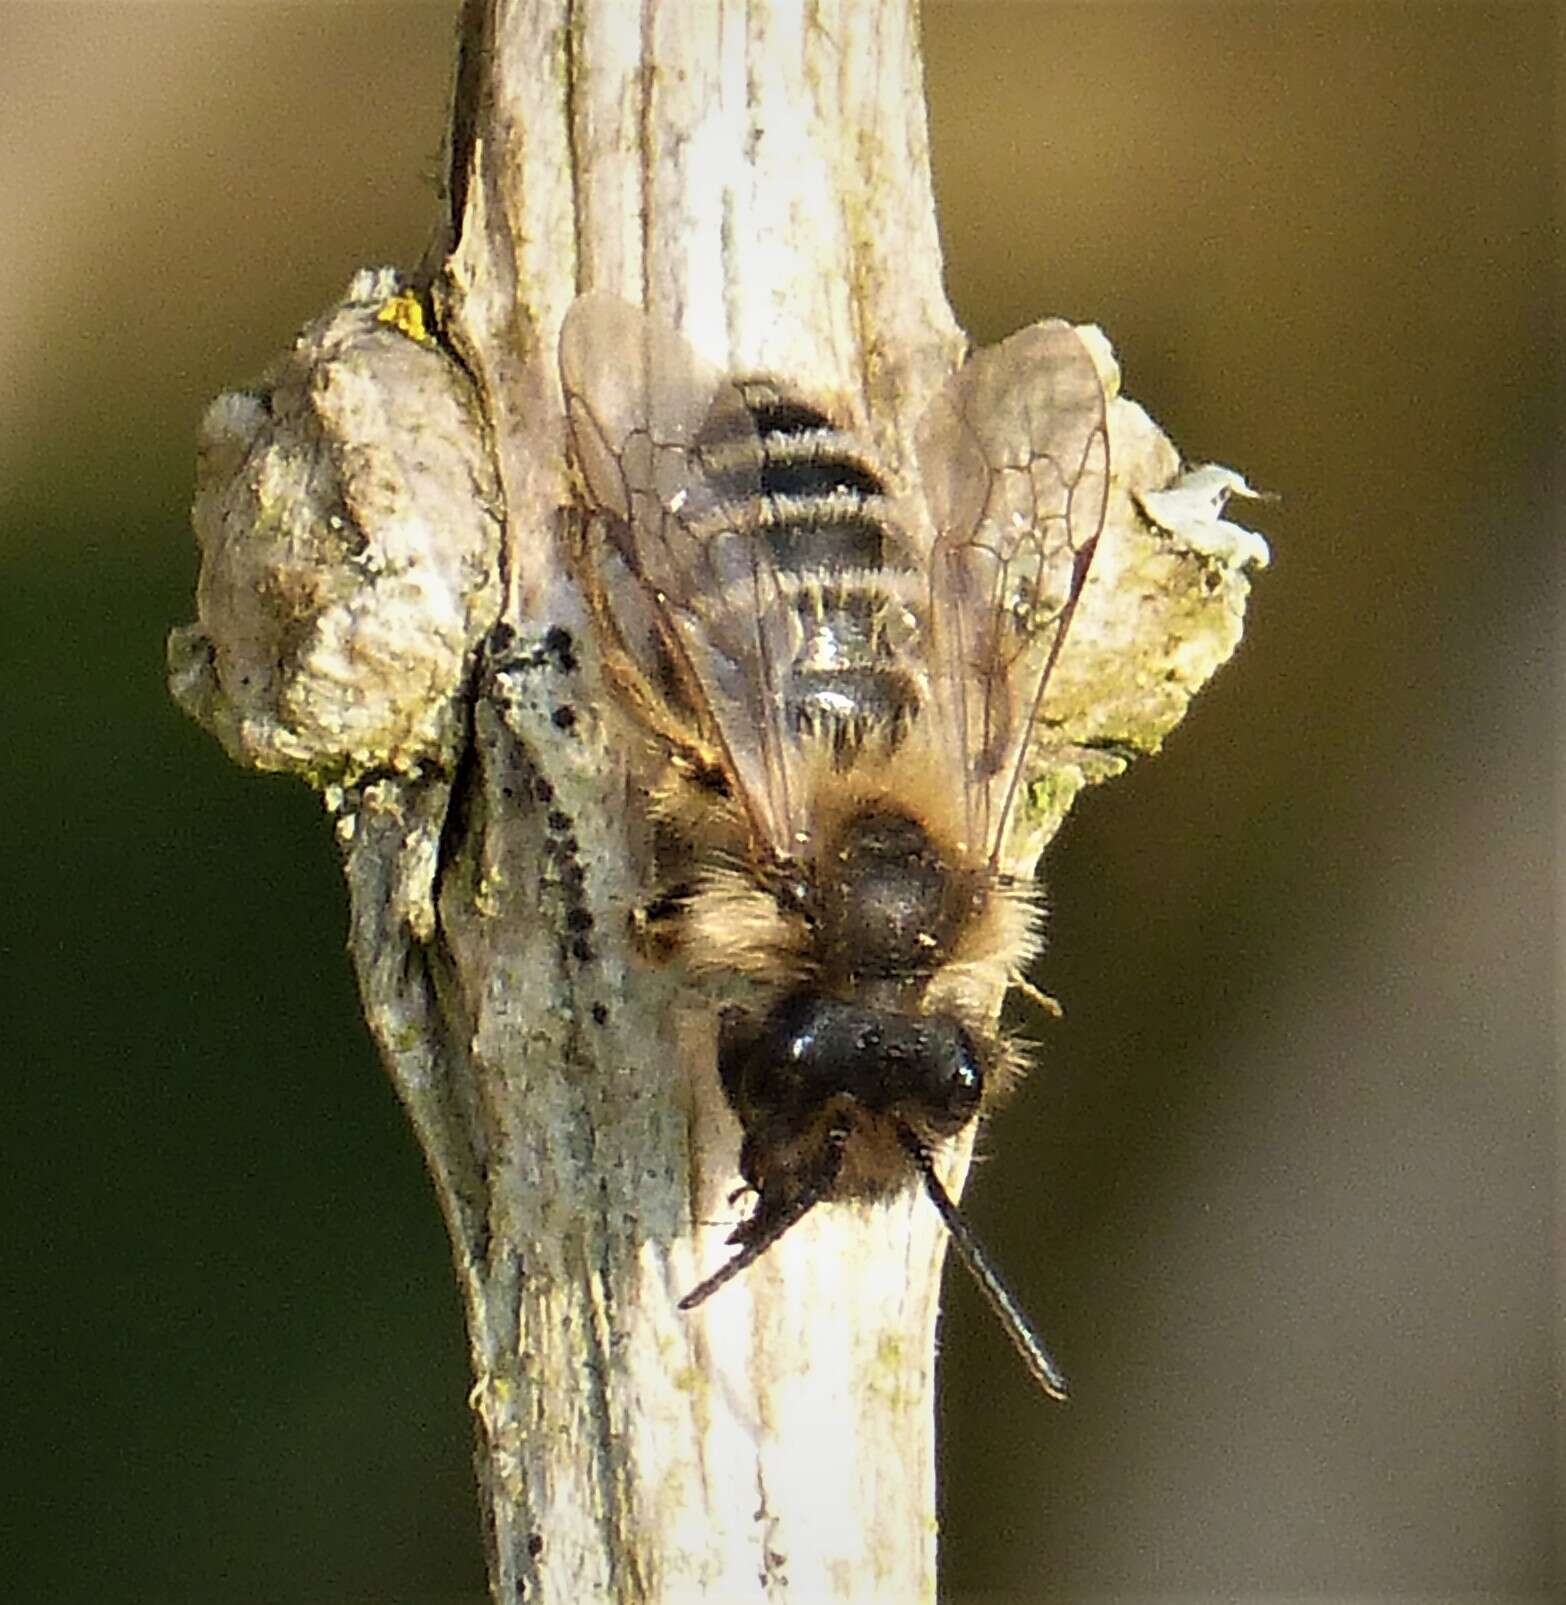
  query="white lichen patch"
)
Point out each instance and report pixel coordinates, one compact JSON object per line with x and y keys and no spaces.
{"x":1191,"y":510}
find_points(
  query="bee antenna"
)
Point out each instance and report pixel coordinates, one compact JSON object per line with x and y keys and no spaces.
{"x":762,"y":1230}
{"x":1041,"y":1366}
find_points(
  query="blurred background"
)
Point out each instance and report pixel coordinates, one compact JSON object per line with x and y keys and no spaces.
{"x":1282,"y":1190}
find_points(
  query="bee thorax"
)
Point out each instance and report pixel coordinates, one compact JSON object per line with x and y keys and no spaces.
{"x":890,"y":906}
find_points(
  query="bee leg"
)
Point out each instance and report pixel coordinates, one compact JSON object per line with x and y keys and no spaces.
{"x":1041,"y":1365}
{"x":1049,"y":1005}
{"x":656,"y":924}
{"x":770,"y":1221}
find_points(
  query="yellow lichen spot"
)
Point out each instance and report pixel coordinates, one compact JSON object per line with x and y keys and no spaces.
{"x":405,"y":313}
{"x":490,"y":1395}
{"x":891,"y":1351}
{"x":893,"y":1375}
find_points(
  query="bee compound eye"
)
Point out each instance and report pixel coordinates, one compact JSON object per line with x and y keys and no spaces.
{"x":800,"y":1045}
{"x":962,"y":1078}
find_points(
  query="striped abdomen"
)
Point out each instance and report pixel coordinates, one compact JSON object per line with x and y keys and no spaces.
{"x":804,"y":489}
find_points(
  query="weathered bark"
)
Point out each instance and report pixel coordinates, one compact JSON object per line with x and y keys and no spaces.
{"x":384,"y":609}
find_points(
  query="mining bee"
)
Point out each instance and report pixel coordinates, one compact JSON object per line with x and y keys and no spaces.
{"x":843,"y":686}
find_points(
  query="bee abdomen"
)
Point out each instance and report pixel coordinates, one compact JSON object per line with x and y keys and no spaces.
{"x":783,"y":446}
{"x":850,"y":679}
{"x":846,"y":708}
{"x":807,"y":489}
{"x":808,"y":493}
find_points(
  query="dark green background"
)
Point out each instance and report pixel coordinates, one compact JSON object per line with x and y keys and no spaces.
{"x":1281,"y":1190}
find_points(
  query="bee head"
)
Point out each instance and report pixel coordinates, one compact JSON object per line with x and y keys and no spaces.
{"x":810,"y":1053}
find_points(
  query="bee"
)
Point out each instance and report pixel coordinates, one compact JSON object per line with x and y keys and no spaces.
{"x":845,"y":686}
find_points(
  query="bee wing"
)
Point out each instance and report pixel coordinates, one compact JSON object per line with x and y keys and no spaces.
{"x":1014,"y":460}
{"x":659,"y":435}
